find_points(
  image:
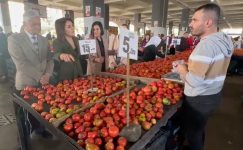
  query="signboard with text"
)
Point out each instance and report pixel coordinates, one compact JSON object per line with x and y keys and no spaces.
{"x":87,"y":47}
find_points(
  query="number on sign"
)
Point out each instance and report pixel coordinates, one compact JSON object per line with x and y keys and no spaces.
{"x":86,"y":48}
{"x":125,"y":42}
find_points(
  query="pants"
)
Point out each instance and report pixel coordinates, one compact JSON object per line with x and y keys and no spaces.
{"x":195,"y":114}
{"x":172,"y":51}
{"x":4,"y":67}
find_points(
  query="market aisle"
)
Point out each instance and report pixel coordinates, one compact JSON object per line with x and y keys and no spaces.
{"x":8,"y":127}
{"x":224,"y":129}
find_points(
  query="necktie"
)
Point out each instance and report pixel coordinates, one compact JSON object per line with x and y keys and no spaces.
{"x":35,"y":43}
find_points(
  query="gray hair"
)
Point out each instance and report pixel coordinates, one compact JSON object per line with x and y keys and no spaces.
{"x":29,"y":15}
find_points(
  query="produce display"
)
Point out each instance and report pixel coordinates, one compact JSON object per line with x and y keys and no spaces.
{"x":153,"y":69}
{"x":99,"y":127}
{"x":70,"y":95}
{"x":238,"y":52}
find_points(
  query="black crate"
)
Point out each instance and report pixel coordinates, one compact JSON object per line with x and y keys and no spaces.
{"x":158,"y":141}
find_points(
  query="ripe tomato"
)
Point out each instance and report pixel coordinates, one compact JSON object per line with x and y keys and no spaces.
{"x":39,"y":108}
{"x":92,"y":135}
{"x":93,"y":111}
{"x":113,"y":131}
{"x":68,"y":127}
{"x":87,"y":124}
{"x":71,"y":134}
{"x":76,"y":117}
{"x":79,"y":130}
{"x":77,"y":125}
{"x":107,"y":111}
{"x":69,"y":121}
{"x":109,"y":146}
{"x":122,"y":141}
{"x":98,"y":142}
{"x":104,"y":132}
{"x":120,"y":148}
{"x":122,"y":113}
{"x":81,"y":143}
{"x":88,"y":117}
{"x":83,"y":136}
{"x":98,"y":122}
{"x":26,"y":97}
{"x":158,"y":115}
{"x":108,"y":139}
{"x":89,"y":140}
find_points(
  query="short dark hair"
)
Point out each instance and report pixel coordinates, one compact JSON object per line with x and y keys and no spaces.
{"x":208,"y":8}
{"x":125,"y":25}
{"x":1,"y":29}
{"x":101,"y":28}
{"x":60,"y":27}
{"x":162,"y":35}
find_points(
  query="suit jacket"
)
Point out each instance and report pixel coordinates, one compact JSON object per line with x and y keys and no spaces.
{"x":66,"y":70}
{"x":30,"y":65}
{"x":96,"y":66}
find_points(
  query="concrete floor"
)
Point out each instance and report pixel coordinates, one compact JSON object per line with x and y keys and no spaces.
{"x":224,"y":129}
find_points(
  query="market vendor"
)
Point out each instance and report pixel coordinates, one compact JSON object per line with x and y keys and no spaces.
{"x":151,"y":51}
{"x":31,"y":53}
{"x":66,"y":50}
{"x":205,"y":75}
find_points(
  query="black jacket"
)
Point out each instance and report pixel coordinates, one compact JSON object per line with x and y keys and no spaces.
{"x":182,"y":47}
{"x":150,"y":53}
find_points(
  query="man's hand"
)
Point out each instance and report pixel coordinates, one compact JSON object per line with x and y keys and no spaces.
{"x":45,"y":79}
{"x":99,"y":59}
{"x":182,"y":69}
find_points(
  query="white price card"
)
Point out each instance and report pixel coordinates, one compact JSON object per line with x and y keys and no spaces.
{"x":87,"y":47}
{"x":128,"y":44}
{"x":176,"y":41}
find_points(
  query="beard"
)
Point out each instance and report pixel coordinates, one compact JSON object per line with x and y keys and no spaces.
{"x":199,"y":31}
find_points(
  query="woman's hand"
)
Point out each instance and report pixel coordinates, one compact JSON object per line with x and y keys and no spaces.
{"x":99,"y":59}
{"x":67,"y":58}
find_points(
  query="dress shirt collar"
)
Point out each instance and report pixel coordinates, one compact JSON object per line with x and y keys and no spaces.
{"x":29,"y":35}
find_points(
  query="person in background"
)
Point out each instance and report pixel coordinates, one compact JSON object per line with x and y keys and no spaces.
{"x":82,"y":37}
{"x":79,"y":37}
{"x":205,"y":73}
{"x":182,"y":47}
{"x":196,"y":40}
{"x":48,"y":36}
{"x":111,"y":37}
{"x":32,"y":57}
{"x":190,"y":42}
{"x":66,"y":51}
{"x":151,"y":51}
{"x":242,"y":43}
{"x":116,"y":61}
{"x":171,"y":46}
{"x":99,"y":62}
{"x":53,"y":37}
{"x":162,"y":45}
{"x":237,"y":43}
{"x":3,"y":56}
{"x":145,"y":41}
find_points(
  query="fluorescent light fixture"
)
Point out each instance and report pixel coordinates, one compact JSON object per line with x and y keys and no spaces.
{"x":212,"y":0}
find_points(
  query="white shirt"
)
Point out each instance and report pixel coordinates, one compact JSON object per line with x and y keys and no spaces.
{"x":30,"y":36}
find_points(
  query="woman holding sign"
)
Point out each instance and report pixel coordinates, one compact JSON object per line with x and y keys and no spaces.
{"x":99,"y":62}
{"x":151,"y":51}
{"x":66,"y":50}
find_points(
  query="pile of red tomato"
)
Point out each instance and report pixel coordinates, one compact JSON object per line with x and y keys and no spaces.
{"x":153,"y":69}
{"x":99,"y":125}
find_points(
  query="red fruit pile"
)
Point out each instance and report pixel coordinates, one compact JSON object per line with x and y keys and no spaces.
{"x":62,"y":95}
{"x":96,"y":127}
{"x":153,"y":69}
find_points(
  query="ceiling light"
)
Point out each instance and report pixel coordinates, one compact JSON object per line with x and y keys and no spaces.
{"x":212,"y":0}
{"x":223,"y":17}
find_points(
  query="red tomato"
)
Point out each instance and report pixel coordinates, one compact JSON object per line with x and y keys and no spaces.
{"x":71,"y":134}
{"x":89,"y":140}
{"x":104,"y":132}
{"x":87,"y":124}
{"x":122,"y":141}
{"x":69,"y":121}
{"x":26,"y":97}
{"x":113,"y":131}
{"x":68,"y":127}
{"x":98,"y":142}
{"x":109,"y":146}
{"x":81,"y":143}
{"x":122,"y":113}
{"x":88,"y":117}
{"x":92,"y":135}
{"x":158,"y":115}
{"x":83,"y":136}
{"x":76,"y":117}
{"x":108,"y":139}
{"x":77,"y":125}
{"x":120,"y":148}
{"x":79,"y":130}
{"x":93,"y":111}
{"x":107,"y":111}
{"x":98,"y":122}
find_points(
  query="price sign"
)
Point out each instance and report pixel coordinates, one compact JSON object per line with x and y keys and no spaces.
{"x":87,"y":47}
{"x":176,"y":41}
{"x":128,"y":44}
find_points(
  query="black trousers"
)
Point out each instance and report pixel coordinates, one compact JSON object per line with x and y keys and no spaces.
{"x":172,"y":51}
{"x":195,"y":114}
{"x":3,"y":66}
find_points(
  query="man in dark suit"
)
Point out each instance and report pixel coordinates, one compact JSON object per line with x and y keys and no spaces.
{"x":183,"y":45}
{"x":3,"y":56}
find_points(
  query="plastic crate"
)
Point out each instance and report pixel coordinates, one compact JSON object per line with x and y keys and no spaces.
{"x":158,"y":141}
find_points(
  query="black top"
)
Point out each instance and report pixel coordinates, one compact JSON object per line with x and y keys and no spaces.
{"x":150,"y":53}
{"x":182,"y":47}
{"x":161,"y":44}
{"x":4,"y":46}
{"x":102,"y":51}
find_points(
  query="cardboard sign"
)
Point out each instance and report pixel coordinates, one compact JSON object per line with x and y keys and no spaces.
{"x":128,"y":44}
{"x":176,"y":41}
{"x":87,"y":47}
